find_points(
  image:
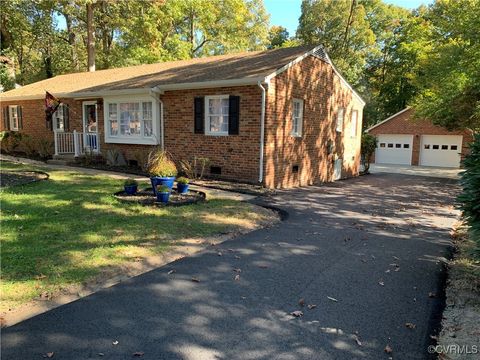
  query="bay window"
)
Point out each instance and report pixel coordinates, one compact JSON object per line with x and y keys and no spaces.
{"x":130,"y":121}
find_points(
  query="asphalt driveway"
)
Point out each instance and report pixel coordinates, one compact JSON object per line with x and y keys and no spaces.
{"x":367,"y":252}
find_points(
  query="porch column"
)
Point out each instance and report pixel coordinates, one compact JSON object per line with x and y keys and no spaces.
{"x":76,"y":144}
{"x":55,"y":137}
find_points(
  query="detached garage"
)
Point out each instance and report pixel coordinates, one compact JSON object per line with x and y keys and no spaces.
{"x":403,"y":140}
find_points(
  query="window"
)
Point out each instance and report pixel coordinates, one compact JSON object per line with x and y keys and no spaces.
{"x":406,"y":146}
{"x":340,"y":114}
{"x":297,"y":118}
{"x":58,"y":118}
{"x":216,"y":114}
{"x":390,"y":145}
{"x":444,"y":147}
{"x":435,"y":147}
{"x":453,"y":147}
{"x":13,"y":114}
{"x":426,"y":147}
{"x":353,"y":129}
{"x":382,"y":144}
{"x":398,"y":146}
{"x":130,"y":121}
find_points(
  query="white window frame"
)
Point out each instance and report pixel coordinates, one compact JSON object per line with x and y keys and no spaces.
{"x":122,"y":139}
{"x":297,"y":121}
{"x":58,"y":114}
{"x":340,"y":119}
{"x":354,"y":123}
{"x":11,"y":118}
{"x":207,"y":115}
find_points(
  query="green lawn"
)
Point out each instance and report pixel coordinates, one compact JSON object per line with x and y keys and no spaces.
{"x":65,"y":230}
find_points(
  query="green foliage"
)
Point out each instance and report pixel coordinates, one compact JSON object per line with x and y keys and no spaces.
{"x":369,"y":144}
{"x":10,"y":140}
{"x":160,"y":164}
{"x":277,"y":37}
{"x":183,"y":180}
{"x":470,"y":196}
{"x":130,"y":182}
{"x":449,"y":80}
{"x":45,"y":148}
{"x":163,"y":189}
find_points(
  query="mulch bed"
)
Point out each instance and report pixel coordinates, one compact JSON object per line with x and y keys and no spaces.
{"x":14,"y":178}
{"x":238,"y":187}
{"x":146,"y":197}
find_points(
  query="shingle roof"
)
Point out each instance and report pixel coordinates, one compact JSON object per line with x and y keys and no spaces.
{"x":246,"y":65}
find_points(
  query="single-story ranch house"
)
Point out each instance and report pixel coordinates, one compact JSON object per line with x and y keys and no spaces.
{"x":403,"y":140}
{"x":281,"y":118}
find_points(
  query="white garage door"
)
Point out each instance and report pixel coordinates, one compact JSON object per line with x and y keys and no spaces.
{"x":440,"y":150}
{"x":394,"y":149}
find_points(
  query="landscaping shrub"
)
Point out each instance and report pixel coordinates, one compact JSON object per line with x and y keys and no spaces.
{"x":369,"y":144}
{"x":160,"y":164}
{"x":141,"y":157}
{"x":45,"y":148}
{"x":194,"y":168}
{"x":29,"y":145}
{"x":470,"y":196}
{"x":10,"y":140}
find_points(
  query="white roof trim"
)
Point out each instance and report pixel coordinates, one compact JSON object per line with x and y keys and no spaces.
{"x":387,"y":119}
{"x":311,"y":52}
{"x":209,"y":84}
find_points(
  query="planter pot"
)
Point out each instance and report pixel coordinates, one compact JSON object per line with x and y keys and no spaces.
{"x":163,"y":197}
{"x":162,"y":180}
{"x":182,"y":188}
{"x":130,"y":189}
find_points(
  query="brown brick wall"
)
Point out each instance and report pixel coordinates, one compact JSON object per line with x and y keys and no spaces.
{"x":315,"y":82}
{"x":404,"y":123}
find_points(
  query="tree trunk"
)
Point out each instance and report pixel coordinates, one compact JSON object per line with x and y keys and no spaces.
{"x":349,"y":23}
{"x":72,"y":42}
{"x":90,"y":38}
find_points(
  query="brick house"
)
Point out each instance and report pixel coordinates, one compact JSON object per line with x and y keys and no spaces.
{"x":281,"y":118}
{"x":403,"y":140}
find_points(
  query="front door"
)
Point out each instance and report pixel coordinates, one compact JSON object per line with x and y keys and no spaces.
{"x":90,"y":125}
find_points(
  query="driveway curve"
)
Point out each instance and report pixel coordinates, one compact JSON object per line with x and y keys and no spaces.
{"x":360,"y":258}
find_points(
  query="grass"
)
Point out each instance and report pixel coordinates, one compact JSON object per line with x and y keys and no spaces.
{"x":66,"y":230}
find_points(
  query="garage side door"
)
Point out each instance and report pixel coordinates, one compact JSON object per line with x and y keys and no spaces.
{"x":441,"y":150}
{"x":394,"y":149}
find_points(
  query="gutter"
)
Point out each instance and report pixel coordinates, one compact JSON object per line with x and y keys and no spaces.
{"x":262,"y":132}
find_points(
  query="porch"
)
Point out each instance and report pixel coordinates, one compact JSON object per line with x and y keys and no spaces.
{"x":76,"y":143}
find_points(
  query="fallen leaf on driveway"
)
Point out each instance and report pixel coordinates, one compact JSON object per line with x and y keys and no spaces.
{"x":388,"y":349}
{"x":357,"y":340}
{"x":237,"y":270}
{"x":194,"y":279}
{"x":396,"y":258}
{"x":331,"y":298}
{"x":387,"y":271}
{"x":101,"y":354}
{"x":381,"y":283}
{"x":311,"y":306}
{"x":301,"y":302}
{"x":432,"y":294}
{"x":410,"y":325}
{"x":237,"y":257}
{"x":49,"y":355}
{"x":138,"y":354}
{"x":397,"y":269}
{"x":297,"y":313}
{"x":171,"y":272}
{"x":219,"y":254}
{"x":115,"y":342}
{"x":237,"y":277}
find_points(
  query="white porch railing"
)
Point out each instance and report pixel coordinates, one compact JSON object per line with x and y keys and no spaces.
{"x":76,"y":143}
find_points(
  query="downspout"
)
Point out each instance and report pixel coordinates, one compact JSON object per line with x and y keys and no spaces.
{"x":262,"y":132}
{"x":162,"y":127}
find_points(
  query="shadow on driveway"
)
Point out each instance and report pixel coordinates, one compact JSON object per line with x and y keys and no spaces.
{"x":375,"y":244}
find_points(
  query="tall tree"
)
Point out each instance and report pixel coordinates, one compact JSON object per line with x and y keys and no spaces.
{"x":277,"y":36}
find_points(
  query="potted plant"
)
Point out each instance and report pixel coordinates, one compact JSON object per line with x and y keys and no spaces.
{"x":163,"y":193}
{"x":182,"y":185}
{"x":162,"y":169}
{"x":130,"y":186}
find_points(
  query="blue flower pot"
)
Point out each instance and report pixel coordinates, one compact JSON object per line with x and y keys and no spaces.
{"x":182,"y":188}
{"x":163,"y":197}
{"x":162,"y":180}
{"x":130,"y":189}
